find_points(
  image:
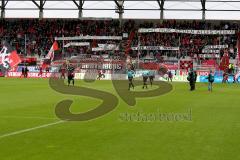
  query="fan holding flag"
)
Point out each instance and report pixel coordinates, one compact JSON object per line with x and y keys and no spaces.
{"x":50,"y":54}
{"x":8,"y":56}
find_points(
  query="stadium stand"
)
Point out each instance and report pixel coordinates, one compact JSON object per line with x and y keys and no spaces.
{"x":34,"y":37}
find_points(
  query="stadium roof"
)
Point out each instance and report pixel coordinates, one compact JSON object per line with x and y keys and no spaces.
{"x":151,"y":9}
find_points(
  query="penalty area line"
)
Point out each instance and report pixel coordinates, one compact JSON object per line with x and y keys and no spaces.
{"x":30,"y":129}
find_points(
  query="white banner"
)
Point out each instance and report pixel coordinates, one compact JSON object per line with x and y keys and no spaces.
{"x":155,"y":48}
{"x":209,"y":55}
{"x":106,"y":47}
{"x":210,"y":51}
{"x":77,"y":44}
{"x":215,"y":46}
{"x":89,"y":37}
{"x":170,"y":30}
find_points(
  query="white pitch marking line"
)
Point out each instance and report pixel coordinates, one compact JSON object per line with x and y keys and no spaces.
{"x":30,"y":129}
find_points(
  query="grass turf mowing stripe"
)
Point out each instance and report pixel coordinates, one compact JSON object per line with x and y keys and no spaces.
{"x":28,"y":117}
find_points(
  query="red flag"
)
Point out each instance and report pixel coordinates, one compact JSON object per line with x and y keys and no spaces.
{"x":14,"y":59}
{"x":50,"y":54}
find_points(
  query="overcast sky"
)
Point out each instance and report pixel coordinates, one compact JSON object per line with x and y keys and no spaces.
{"x":128,"y":14}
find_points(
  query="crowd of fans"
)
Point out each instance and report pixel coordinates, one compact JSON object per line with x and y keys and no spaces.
{"x":35,"y":37}
{"x":190,"y":44}
{"x":39,"y":34}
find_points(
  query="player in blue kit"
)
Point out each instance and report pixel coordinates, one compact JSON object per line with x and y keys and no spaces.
{"x":130,"y":74}
{"x":151,"y":77}
{"x":145,"y":75}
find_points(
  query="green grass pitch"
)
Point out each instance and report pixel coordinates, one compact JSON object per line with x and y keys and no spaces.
{"x":30,"y":130}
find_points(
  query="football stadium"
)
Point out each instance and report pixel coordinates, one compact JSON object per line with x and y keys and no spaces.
{"x":119,"y":80}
